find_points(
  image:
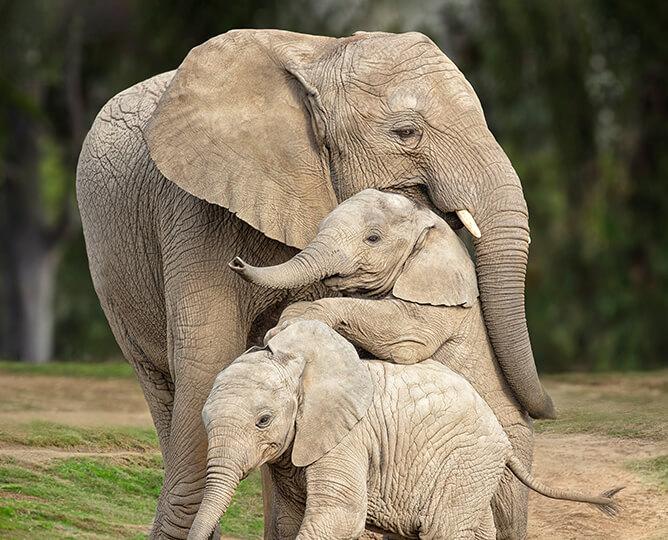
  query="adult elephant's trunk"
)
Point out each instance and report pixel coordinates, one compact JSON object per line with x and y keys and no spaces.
{"x":502,"y":249}
{"x":314,"y":263}
{"x":501,"y":261}
{"x":221,"y":482}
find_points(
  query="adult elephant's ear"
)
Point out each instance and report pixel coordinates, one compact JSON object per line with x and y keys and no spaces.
{"x":336,"y":388}
{"x":234,"y":128}
{"x":439,"y":272}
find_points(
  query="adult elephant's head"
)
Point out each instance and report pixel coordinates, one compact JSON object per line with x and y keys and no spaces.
{"x":277,"y":127}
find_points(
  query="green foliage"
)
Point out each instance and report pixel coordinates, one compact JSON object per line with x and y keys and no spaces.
{"x":55,"y":183}
{"x":101,"y":498}
{"x":576,"y":92}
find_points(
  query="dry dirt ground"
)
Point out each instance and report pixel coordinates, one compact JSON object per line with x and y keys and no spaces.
{"x":587,"y":461}
{"x":594,"y":464}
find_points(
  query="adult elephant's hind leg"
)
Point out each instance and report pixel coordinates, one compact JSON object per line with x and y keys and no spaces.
{"x":155,"y":381}
{"x":510,"y":504}
{"x":158,"y":390}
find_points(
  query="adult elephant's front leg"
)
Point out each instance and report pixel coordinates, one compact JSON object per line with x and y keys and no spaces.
{"x":208,"y":333}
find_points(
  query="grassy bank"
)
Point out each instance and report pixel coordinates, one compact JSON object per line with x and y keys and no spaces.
{"x":98,"y":370}
{"x":78,"y":497}
{"x":626,"y":405}
{"x":39,"y":434}
{"x":96,"y":476}
{"x":100,"y":498}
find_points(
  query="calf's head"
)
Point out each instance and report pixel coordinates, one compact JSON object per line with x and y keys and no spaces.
{"x":376,"y":243}
{"x":302,"y":393}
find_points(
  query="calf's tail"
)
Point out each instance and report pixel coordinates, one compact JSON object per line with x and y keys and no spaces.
{"x":603,"y":502}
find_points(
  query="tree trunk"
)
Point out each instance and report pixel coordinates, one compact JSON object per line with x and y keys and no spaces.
{"x":36,"y":263}
{"x":32,"y":241}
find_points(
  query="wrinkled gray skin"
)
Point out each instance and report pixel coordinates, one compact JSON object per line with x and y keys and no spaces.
{"x":411,"y":451}
{"x":424,"y":305}
{"x":313,"y":386}
{"x":242,"y":151}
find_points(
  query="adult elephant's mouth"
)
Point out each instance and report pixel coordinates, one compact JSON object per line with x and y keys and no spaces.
{"x":451,"y":219}
{"x":419,"y":193}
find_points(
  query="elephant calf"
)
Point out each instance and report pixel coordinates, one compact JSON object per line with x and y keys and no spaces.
{"x":410,"y":294}
{"x":406,"y":450}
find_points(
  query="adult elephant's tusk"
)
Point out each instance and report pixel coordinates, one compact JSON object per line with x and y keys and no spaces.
{"x":467,"y":219}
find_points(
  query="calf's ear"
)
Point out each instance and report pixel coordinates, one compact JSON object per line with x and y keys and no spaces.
{"x":335,"y":390}
{"x":439,"y":272}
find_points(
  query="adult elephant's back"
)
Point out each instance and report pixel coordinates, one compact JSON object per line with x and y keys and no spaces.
{"x":158,"y":259}
{"x":118,"y":189}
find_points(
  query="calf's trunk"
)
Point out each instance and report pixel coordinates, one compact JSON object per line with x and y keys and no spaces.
{"x":221,"y":483}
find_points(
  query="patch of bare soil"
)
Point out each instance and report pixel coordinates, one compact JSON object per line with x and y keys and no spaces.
{"x":40,"y":456}
{"x":73,"y":401}
{"x":594,"y":464}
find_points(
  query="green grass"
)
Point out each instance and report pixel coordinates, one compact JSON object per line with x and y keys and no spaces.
{"x":100,"y":498}
{"x":654,"y":470}
{"x":633,"y":381}
{"x":48,"y":434}
{"x":98,"y":370}
{"x":628,"y":405}
{"x":78,"y":498}
{"x":613,"y":423}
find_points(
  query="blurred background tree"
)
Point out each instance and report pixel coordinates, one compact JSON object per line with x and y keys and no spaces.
{"x":575,"y":91}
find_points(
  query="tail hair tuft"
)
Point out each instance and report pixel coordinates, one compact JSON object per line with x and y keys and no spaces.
{"x":611,"y":508}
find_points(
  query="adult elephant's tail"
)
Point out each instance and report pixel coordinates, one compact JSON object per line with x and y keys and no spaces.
{"x":603,"y":502}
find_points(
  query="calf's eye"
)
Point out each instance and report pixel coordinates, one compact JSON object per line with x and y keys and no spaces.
{"x":372,"y":239}
{"x":263,"y":421}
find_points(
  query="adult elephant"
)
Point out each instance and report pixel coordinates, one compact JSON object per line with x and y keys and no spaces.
{"x":242,"y":151}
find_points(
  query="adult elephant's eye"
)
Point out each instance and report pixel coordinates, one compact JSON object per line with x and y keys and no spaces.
{"x":263,"y":421}
{"x":405,"y":133}
{"x":408,"y":135}
{"x":373,"y":238}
